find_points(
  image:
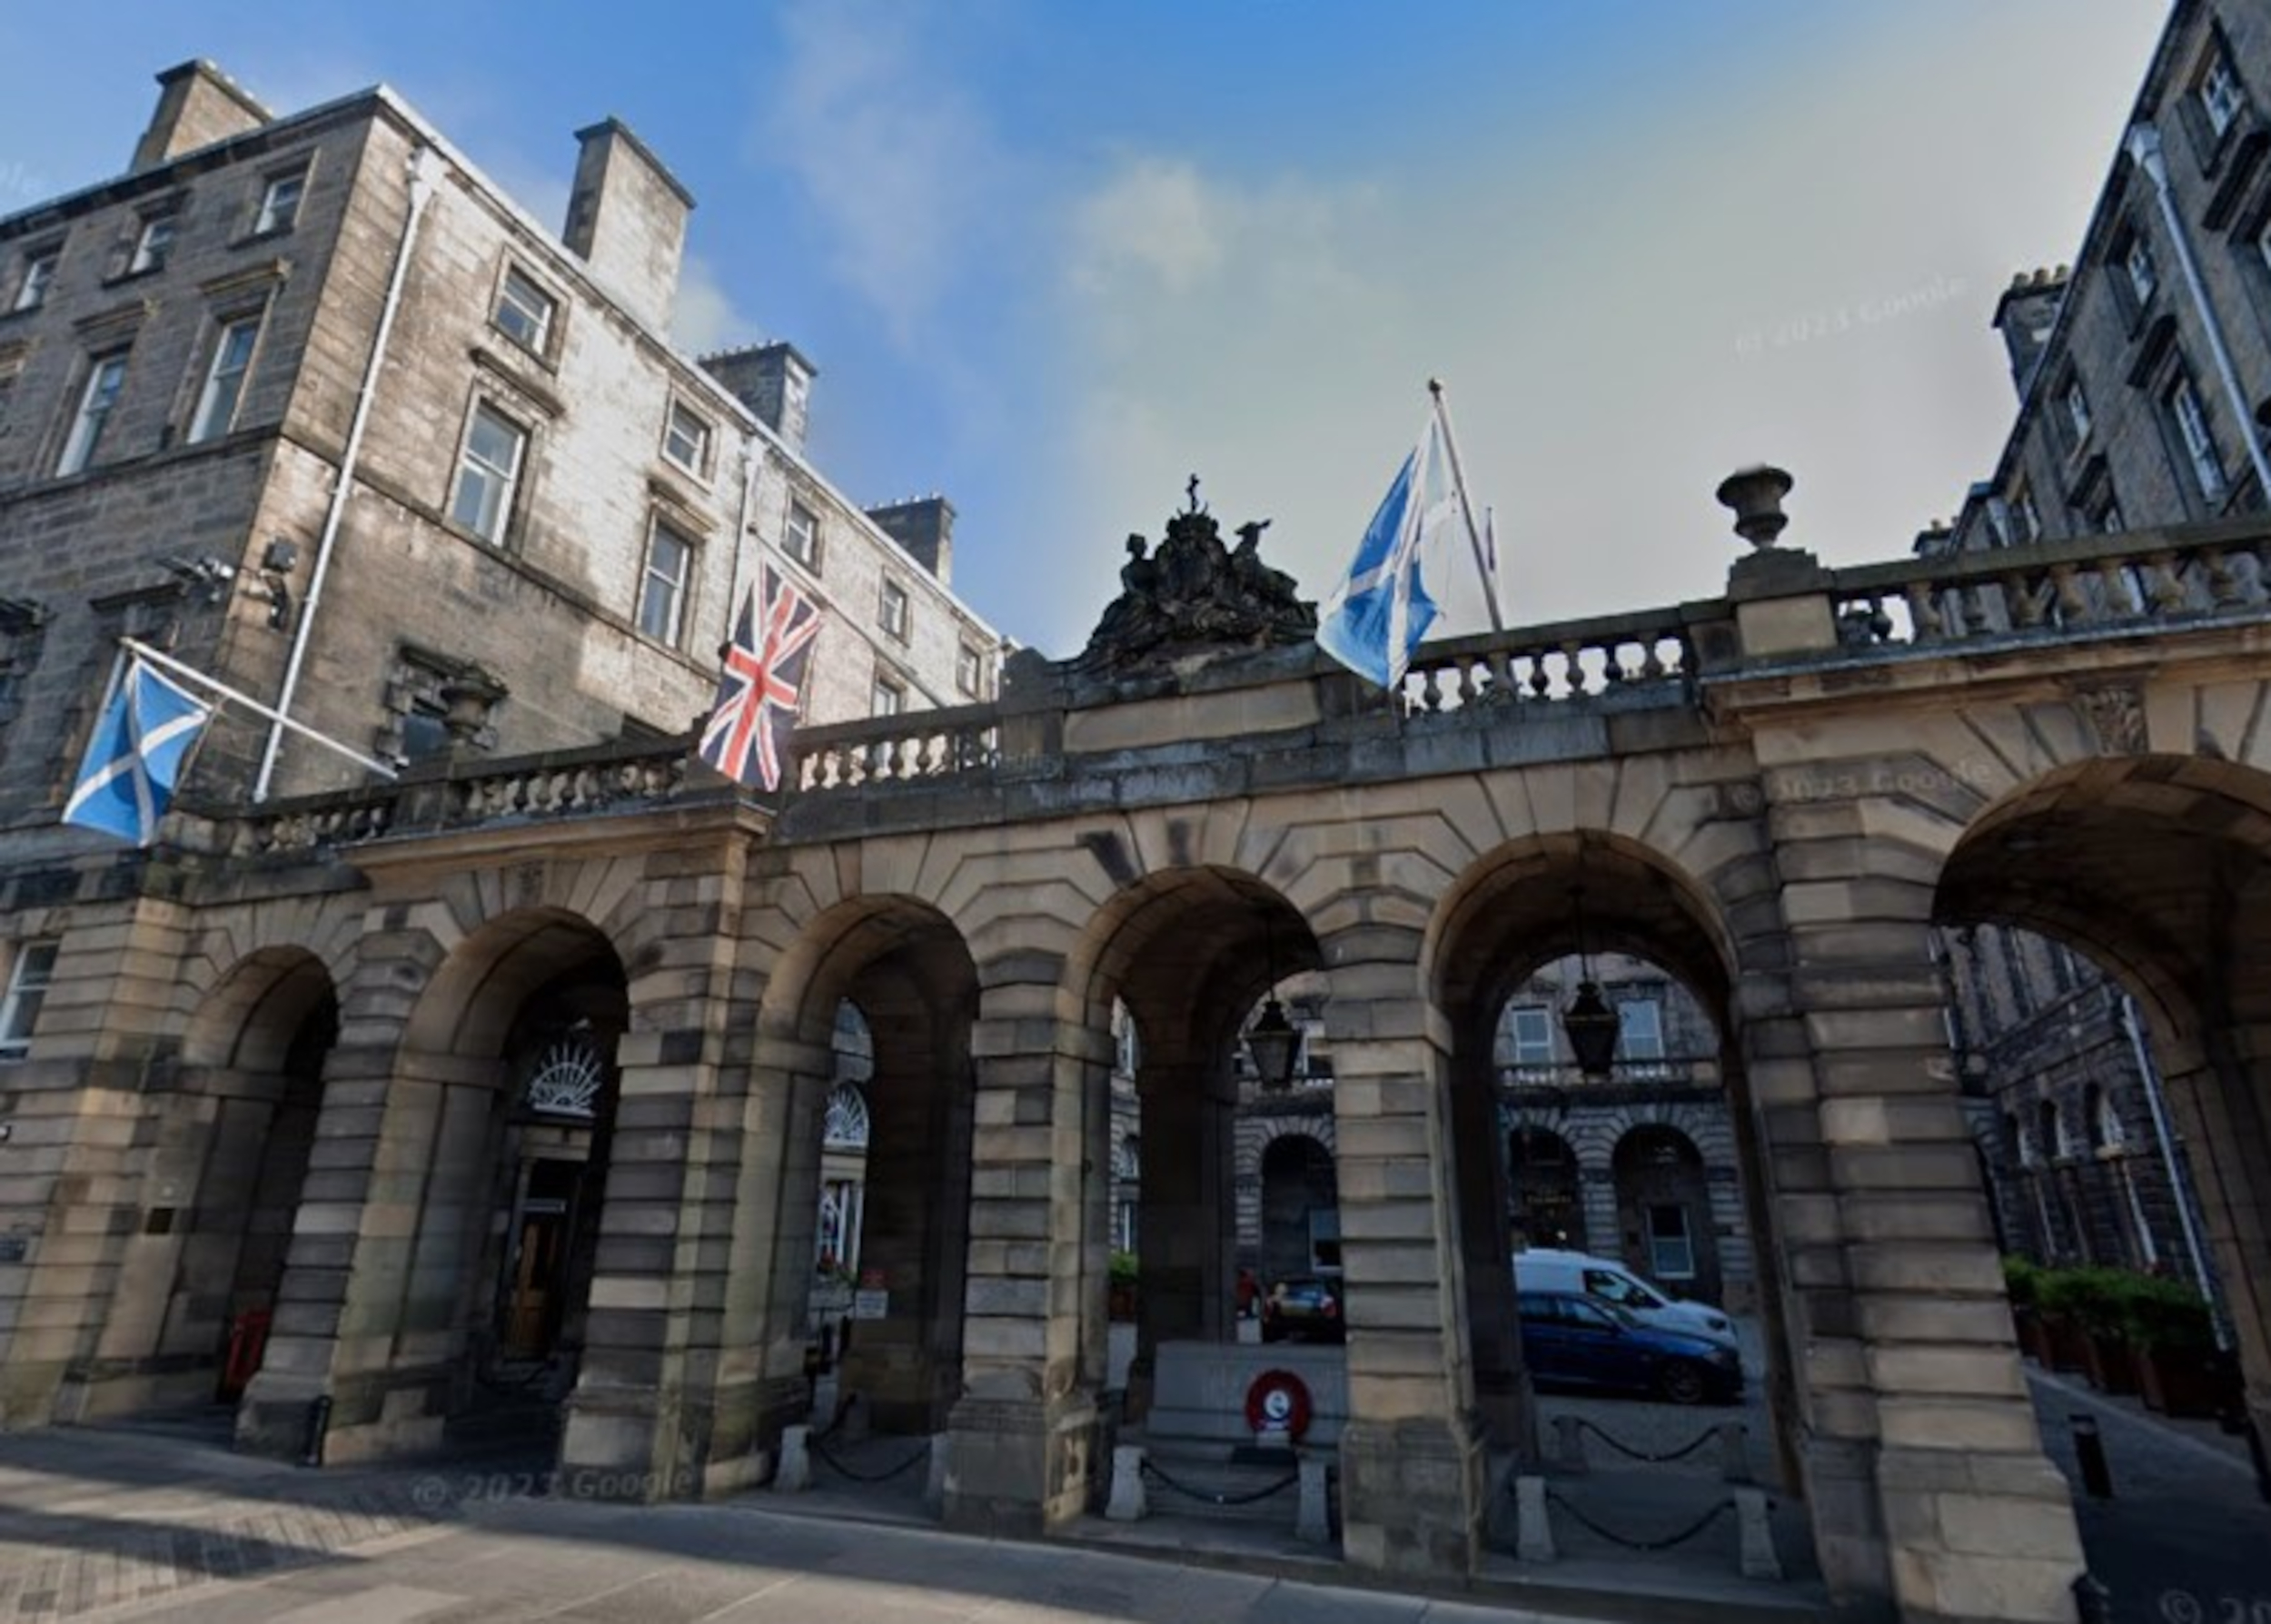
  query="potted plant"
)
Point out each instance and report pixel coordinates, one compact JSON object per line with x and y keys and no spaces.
{"x":2169,"y":1328}
{"x":1125,"y":1273}
{"x":2022,"y":1280}
{"x":2102,"y":1308}
{"x":2062,"y":1296}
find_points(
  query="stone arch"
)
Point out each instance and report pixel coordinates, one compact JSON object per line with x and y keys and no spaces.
{"x":1298,"y":1183}
{"x":220,"y":1168}
{"x":1665,"y":1227}
{"x":906,"y":968}
{"x":1188,"y":951}
{"x":2158,"y":867}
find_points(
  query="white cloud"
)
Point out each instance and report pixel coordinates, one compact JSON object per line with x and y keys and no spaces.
{"x":706,"y":318}
{"x":894,"y":159}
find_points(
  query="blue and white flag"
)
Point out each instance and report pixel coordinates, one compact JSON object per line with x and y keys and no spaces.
{"x":134,"y":756}
{"x":1375,"y":618}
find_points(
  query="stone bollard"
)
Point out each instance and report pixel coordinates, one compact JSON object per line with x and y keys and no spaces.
{"x":1533,"y":1535}
{"x":1759,"y":1560}
{"x":1569,"y":1443}
{"x":934,"y":1486}
{"x":1127,"y":1504}
{"x":1734,"y":1452}
{"x":1312,"y":1523}
{"x":795,"y":1475}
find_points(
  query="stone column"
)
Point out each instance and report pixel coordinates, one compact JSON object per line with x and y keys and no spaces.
{"x":2219,"y":1117}
{"x":1023,"y":1436}
{"x":1502,"y":1383}
{"x":1905,"y":1333}
{"x":1188,"y":1227}
{"x":1412,"y":1490}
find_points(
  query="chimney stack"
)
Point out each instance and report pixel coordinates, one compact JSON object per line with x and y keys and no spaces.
{"x":924,"y":527}
{"x":773,"y":380}
{"x":2024,"y":316}
{"x":627,"y":217}
{"x":198,"y":105}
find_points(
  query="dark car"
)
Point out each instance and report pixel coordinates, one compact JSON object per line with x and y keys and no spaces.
{"x":1575,"y":1341}
{"x":1307,"y":1308}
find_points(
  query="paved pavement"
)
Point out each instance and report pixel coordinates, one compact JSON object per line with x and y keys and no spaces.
{"x":2186,"y":1538}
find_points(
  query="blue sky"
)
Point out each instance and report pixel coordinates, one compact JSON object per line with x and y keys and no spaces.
{"x":1052,"y":258}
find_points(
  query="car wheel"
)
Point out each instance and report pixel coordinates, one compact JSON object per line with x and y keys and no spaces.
{"x":1683,"y":1382}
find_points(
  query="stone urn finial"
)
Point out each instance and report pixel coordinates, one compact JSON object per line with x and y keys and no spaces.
{"x":467,"y":699}
{"x":1756,"y":495}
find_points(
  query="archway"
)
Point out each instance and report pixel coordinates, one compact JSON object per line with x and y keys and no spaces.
{"x":1301,"y":1207}
{"x":2157,"y":870}
{"x":874,"y":1002}
{"x":1664,"y":1219}
{"x":235,"y":1115}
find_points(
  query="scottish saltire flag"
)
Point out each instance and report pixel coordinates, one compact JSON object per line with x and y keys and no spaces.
{"x":134,"y":757}
{"x":747,"y":735}
{"x":1375,"y":618}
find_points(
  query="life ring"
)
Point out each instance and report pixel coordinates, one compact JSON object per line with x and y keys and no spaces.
{"x":1278,"y":1402}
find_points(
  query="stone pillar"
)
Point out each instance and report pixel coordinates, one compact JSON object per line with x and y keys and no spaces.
{"x":1905,"y":1334}
{"x":2219,"y":1119}
{"x":1022,"y":1438}
{"x":1412,"y":1490}
{"x":1502,"y":1382}
{"x":1188,"y":1228}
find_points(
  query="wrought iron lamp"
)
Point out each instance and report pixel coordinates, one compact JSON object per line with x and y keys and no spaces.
{"x":1591,"y":1026}
{"x":1272,"y":1039}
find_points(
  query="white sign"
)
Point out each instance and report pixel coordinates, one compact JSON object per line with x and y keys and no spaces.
{"x":871,"y":1305}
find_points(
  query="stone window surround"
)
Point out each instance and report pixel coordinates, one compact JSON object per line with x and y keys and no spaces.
{"x":895,"y":609}
{"x":682,"y":612}
{"x":508,"y":520}
{"x":211,"y":348}
{"x":889,"y":697}
{"x":151,"y":244}
{"x":810,"y":553}
{"x":2215,"y":101}
{"x":546,"y":350}
{"x":702,"y":460}
{"x":970,"y":668}
{"x":77,"y":455}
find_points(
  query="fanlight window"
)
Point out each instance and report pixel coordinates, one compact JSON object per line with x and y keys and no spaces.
{"x":566,"y":1078}
{"x":846,"y":1127}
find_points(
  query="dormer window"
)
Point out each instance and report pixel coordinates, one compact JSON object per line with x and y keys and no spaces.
{"x":152,"y":246}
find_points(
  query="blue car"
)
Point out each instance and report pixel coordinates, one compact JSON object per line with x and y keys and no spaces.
{"x":1576,"y":1342}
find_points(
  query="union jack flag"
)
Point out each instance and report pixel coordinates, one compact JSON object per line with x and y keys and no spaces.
{"x":747,"y":735}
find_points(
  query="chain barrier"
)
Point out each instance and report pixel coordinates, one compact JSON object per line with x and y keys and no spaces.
{"x":1221,"y":1500}
{"x":820,"y":1452}
{"x":1629,"y":1453}
{"x":1666,"y":1543}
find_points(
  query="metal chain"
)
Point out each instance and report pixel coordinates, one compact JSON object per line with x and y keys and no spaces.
{"x":1223,"y":1500}
{"x":1631,"y":1453}
{"x":1666,"y":1543}
{"x":820,"y":1451}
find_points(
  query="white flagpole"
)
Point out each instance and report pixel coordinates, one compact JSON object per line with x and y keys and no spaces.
{"x":167,"y":662}
{"x":1466,"y":508}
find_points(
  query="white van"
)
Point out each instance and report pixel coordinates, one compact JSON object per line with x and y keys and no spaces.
{"x":1542,"y":1269}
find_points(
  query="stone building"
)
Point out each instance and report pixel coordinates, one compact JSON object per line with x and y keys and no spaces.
{"x":308,"y":402}
{"x":2143,"y":373}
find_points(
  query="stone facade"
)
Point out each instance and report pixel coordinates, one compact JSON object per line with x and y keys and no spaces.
{"x":192,"y":352}
{"x":2141,"y":373}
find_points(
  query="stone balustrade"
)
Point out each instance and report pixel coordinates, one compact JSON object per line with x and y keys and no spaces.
{"x":923,"y":743}
{"x":1569,"y":660}
{"x":2053,"y":590}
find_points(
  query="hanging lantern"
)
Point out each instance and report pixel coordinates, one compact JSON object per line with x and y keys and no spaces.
{"x":1592,"y":1028}
{"x":1274,"y":1041}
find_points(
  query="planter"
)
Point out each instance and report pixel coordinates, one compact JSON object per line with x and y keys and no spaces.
{"x":2034,"y":1341}
{"x":2110,"y":1364}
{"x":2067,"y":1345}
{"x":2181,"y":1382}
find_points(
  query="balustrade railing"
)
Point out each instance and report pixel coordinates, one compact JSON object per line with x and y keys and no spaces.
{"x":896,"y":749}
{"x":584,"y":782}
{"x":1568,"y":660}
{"x":2092,"y":584}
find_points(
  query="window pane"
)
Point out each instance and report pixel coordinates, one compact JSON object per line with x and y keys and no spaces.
{"x":1639,"y":1030}
{"x":225,"y":380}
{"x":687,"y":440}
{"x":103,"y":385}
{"x":525,"y":310}
{"x":280,"y":205}
{"x":492,"y":460}
{"x":27,"y":990}
{"x":665,"y":587}
{"x":38,"y":271}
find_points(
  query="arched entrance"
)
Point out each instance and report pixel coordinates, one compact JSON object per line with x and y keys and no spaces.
{"x":1301,"y":1208}
{"x":2158,"y":870}
{"x":1549,"y":1208}
{"x":1665,"y":1212}
{"x":235,"y":1118}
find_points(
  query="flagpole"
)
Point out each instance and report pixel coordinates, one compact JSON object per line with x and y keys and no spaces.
{"x":1466,"y":508}
{"x":167,"y":662}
